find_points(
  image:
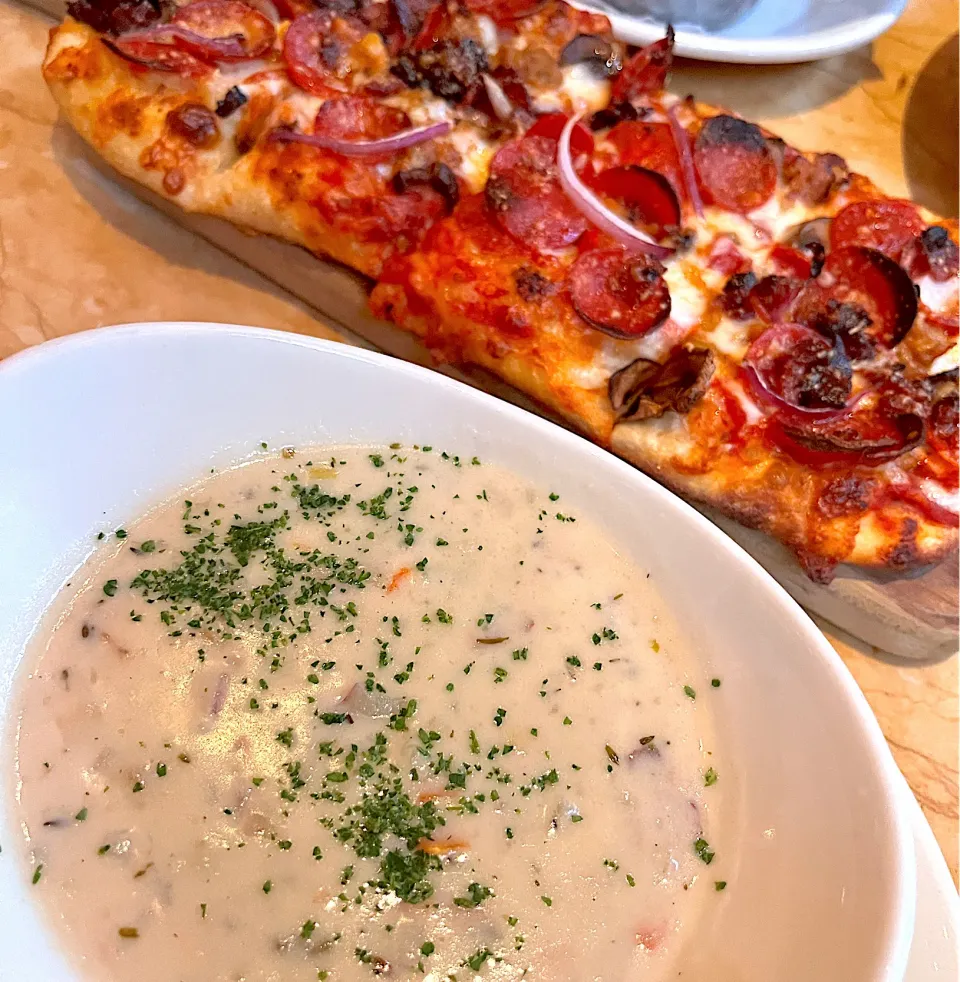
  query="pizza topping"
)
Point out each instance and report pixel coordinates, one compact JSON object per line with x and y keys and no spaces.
{"x":813,"y":182}
{"x":852,"y":438}
{"x":734,"y":163}
{"x":772,"y":297}
{"x":847,"y":495}
{"x":115,"y":16}
{"x":231,"y":102}
{"x":596,"y":51}
{"x":157,"y":56}
{"x":437,"y":176}
{"x":551,"y":125}
{"x":319,"y":49}
{"x":380,"y":147}
{"x":816,"y":231}
{"x":943,"y":425}
{"x":531,"y":285}
{"x":593,"y":208}
{"x":222,"y":30}
{"x":620,"y":294}
{"x":847,"y":321}
{"x":646,"y":72}
{"x":884,"y":225}
{"x":411,"y":15}
{"x":525,"y":195}
{"x":505,"y":10}
{"x":932,"y":253}
{"x":648,"y":197}
{"x":646,"y":389}
{"x":616,"y":112}
{"x":735,"y":299}
{"x":876,"y":283}
{"x":681,"y":140}
{"x":451,"y":69}
{"x":194,"y":123}
{"x":794,"y":367}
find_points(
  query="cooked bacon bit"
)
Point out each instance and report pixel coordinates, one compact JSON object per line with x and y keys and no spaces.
{"x":932,"y":253}
{"x":847,"y":321}
{"x":847,"y":495}
{"x":905,"y":553}
{"x":814,"y":182}
{"x":174,"y":181}
{"x":194,"y":123}
{"x":821,"y":569}
{"x":398,"y":578}
{"x":437,"y":176}
{"x":230,"y":103}
{"x":735,"y":298}
{"x":445,"y":848}
{"x":115,"y":16}
{"x":616,"y":112}
{"x":531,"y":285}
{"x":451,"y":69}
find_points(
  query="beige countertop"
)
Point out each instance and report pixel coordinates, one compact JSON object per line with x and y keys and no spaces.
{"x":77,"y":252}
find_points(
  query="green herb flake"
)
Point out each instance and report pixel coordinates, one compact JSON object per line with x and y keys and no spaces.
{"x":719,"y":885}
{"x":81,"y":815}
{"x":267,"y":886}
{"x":702,"y":848}
{"x":690,"y":692}
{"x":709,"y":778}
{"x":110,"y":588}
{"x":37,"y":873}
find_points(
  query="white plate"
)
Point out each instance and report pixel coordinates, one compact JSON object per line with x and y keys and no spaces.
{"x":934,"y":955}
{"x":814,"y":840}
{"x":773,"y":31}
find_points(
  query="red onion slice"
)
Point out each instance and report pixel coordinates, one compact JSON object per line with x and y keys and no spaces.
{"x":593,"y":209}
{"x":682,"y":141}
{"x":366,"y":148}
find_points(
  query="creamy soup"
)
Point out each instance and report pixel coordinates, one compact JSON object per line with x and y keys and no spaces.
{"x":367,"y":712}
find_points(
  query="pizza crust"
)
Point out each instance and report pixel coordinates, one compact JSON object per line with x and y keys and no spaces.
{"x":122,"y":113}
{"x":898,"y":539}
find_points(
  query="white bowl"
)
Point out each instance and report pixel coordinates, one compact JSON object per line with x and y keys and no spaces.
{"x":96,"y":427}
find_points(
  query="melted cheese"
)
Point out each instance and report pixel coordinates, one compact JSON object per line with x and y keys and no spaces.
{"x":941,"y":496}
{"x":687,"y":302}
{"x":729,"y":337}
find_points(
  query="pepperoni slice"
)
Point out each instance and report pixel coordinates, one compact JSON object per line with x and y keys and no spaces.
{"x":316,"y":49}
{"x":649,"y":145}
{"x":505,"y":10}
{"x":944,"y":424}
{"x":858,"y":438}
{"x":359,"y":118}
{"x":223,"y":30}
{"x":772,"y":297}
{"x":871,"y":280}
{"x":886,"y":226}
{"x":158,"y":56}
{"x":620,"y":294}
{"x":525,"y":194}
{"x":734,"y":164}
{"x":645,"y":72}
{"x":551,"y":126}
{"x":801,"y":367}
{"x":791,"y":261}
{"x":648,"y":197}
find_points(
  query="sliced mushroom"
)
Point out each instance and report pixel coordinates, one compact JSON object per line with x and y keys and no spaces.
{"x":646,"y":389}
{"x":597,"y":52}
